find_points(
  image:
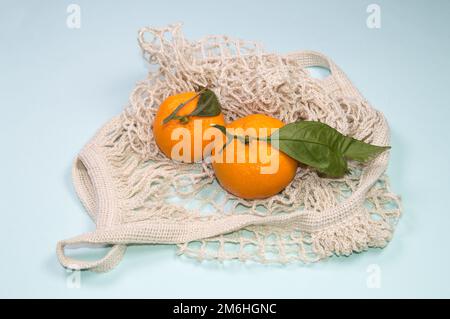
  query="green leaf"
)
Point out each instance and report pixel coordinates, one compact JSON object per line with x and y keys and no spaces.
{"x":174,"y":114}
{"x":363,"y":152}
{"x":322,"y":147}
{"x":221,"y":128}
{"x":208,"y":104}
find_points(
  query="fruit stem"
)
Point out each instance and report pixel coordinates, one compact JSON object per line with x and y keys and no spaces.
{"x":183,"y":119}
{"x":246,"y":139}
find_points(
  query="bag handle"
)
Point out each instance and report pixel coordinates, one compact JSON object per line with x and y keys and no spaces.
{"x":312,"y":58}
{"x":86,"y":193}
{"x":337,"y":77}
{"x":108,"y":262}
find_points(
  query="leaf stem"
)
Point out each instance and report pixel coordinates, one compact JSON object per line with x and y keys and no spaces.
{"x":246,"y":139}
{"x":174,"y":115}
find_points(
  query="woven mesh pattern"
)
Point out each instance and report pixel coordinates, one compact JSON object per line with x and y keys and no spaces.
{"x":313,"y":218}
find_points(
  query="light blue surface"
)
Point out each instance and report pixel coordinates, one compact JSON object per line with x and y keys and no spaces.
{"x":59,"y":85}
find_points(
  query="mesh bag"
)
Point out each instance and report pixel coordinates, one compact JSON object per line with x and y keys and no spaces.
{"x":136,"y":195}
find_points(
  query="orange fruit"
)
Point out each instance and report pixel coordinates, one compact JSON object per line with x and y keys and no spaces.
{"x":166,"y":134}
{"x":239,"y":166}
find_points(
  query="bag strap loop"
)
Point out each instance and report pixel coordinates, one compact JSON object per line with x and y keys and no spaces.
{"x":337,"y":76}
{"x":108,"y":262}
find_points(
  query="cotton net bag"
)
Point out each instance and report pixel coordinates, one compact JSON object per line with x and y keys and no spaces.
{"x":136,"y":195}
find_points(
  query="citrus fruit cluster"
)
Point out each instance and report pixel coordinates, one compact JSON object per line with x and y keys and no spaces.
{"x":256,"y":156}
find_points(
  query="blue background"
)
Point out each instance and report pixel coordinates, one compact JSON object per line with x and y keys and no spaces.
{"x":59,"y":85}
